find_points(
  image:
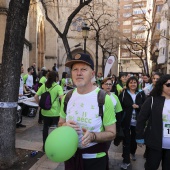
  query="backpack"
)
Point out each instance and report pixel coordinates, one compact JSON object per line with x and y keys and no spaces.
{"x":100,"y":98}
{"x":45,"y":100}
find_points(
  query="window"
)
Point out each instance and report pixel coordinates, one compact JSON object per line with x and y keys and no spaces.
{"x":159,"y":8}
{"x":139,"y":5}
{"x":126,"y":31}
{"x":126,"y":15}
{"x":138,"y":28}
{"x":126,"y":46}
{"x":125,"y":54}
{"x":125,"y":61}
{"x":138,"y":36}
{"x":158,"y":25}
{"x":126,"y":22}
{"x":139,"y":11}
{"x":137,"y":21}
{"x":129,"y":6}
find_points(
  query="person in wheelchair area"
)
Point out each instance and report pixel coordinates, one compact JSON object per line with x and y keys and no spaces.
{"x":21,"y":91}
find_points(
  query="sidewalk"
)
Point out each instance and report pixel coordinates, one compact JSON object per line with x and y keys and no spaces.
{"x":31,"y":138}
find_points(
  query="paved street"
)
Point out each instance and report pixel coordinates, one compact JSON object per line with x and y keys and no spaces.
{"x":31,"y":138}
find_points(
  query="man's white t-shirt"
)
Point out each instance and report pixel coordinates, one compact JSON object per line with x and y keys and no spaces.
{"x":84,"y":110}
{"x":29,"y":81}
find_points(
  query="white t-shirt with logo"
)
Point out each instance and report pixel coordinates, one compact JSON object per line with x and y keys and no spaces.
{"x":84,"y":110}
{"x":166,"y":125}
{"x":133,"y":118}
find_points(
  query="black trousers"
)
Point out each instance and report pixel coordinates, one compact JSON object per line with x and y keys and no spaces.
{"x":48,"y":121}
{"x":40,"y":118}
{"x":95,"y":163}
{"x":129,"y":143}
{"x":154,"y":157}
{"x":90,"y":164}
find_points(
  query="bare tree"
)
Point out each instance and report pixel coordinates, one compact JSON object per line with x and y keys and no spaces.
{"x":99,"y":19}
{"x":109,"y":43}
{"x":140,"y":43}
{"x":63,"y":35}
{"x":10,"y":75}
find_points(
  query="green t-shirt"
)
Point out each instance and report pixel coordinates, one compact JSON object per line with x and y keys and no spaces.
{"x":43,"y":80}
{"x":25,"y":78}
{"x":119,"y":89}
{"x":116,"y":103}
{"x":63,"y":82}
{"x":55,"y":92}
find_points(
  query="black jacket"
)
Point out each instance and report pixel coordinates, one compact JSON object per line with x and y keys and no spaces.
{"x":153,"y":114}
{"x":127,"y":102}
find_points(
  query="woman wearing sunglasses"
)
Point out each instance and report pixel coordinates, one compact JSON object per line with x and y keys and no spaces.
{"x":156,"y":136}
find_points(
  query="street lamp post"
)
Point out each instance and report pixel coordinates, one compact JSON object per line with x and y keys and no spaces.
{"x":85,"y":33}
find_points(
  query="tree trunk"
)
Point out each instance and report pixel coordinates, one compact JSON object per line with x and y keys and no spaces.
{"x":10,"y":76}
{"x":97,"y":49}
{"x":103,"y":64}
{"x":67,"y":47}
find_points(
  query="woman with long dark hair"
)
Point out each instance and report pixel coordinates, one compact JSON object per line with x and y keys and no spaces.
{"x":50,"y":117}
{"x":156,"y":112}
{"x":156,"y":76}
{"x":131,"y":100}
{"x":116,"y":88}
{"x":122,"y":80}
{"x":146,"y":81}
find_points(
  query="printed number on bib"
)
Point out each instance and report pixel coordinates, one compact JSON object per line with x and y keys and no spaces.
{"x":166,"y":130}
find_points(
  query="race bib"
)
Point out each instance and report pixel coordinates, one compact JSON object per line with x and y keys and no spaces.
{"x":166,"y":130}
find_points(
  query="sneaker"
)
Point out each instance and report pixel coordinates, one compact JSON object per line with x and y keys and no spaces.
{"x":21,"y":125}
{"x":53,"y":126}
{"x":40,"y":122}
{"x":124,"y":165}
{"x":133,"y":157}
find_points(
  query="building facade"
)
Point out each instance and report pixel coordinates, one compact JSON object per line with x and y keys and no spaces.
{"x":163,"y":60}
{"x":135,"y":34}
{"x":45,"y":47}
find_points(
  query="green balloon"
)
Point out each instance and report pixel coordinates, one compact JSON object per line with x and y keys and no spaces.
{"x":61,"y":144}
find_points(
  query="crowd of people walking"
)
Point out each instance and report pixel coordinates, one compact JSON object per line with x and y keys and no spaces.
{"x":135,"y":112}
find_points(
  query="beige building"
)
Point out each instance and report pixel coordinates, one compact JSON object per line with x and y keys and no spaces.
{"x":44,"y":46}
{"x":163,"y":60}
{"x":133,"y":34}
{"x":156,"y":30}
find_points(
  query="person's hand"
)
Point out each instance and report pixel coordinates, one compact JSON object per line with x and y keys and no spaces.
{"x":72,"y":124}
{"x":135,"y":106}
{"x":140,"y":144}
{"x":87,"y":137}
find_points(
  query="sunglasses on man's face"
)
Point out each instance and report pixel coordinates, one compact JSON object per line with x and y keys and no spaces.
{"x":167,"y":84}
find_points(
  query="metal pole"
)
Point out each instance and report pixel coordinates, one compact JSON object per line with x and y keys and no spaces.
{"x":85,"y":45}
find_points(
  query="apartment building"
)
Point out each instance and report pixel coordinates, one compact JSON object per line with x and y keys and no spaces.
{"x":162,"y":58}
{"x":135,"y":18}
